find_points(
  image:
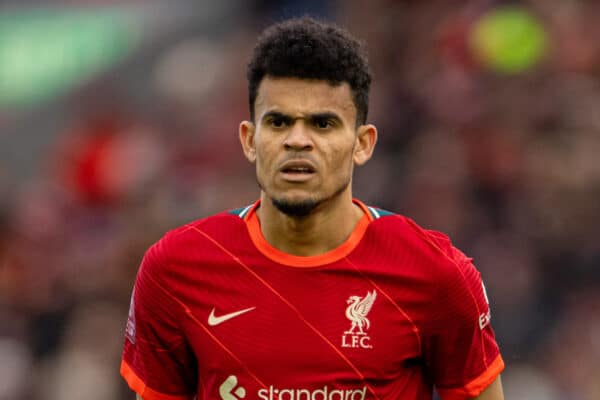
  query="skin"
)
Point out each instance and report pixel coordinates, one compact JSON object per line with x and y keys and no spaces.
{"x":493,"y":392}
{"x":314,"y":122}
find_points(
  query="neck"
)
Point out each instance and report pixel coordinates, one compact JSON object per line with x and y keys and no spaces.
{"x":327,"y":227}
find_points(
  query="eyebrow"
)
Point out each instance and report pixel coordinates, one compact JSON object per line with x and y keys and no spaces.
{"x":310,"y":117}
{"x":325,"y":115}
{"x":276,"y":114}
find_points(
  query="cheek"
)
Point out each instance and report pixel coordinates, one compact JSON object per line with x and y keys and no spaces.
{"x":264,"y":158}
{"x":340,"y":156}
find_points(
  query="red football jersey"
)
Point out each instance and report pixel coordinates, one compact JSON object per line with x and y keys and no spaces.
{"x":396,"y":310}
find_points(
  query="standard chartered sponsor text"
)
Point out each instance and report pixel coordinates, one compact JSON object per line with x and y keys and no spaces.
{"x":325,"y":393}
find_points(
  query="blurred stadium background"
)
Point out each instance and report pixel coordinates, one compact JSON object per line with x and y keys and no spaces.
{"x":118,"y":121}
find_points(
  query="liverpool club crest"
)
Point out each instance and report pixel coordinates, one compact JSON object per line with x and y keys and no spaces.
{"x":357,"y":311}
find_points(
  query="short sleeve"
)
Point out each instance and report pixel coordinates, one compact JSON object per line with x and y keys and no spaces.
{"x":157,"y":362}
{"x":461,"y":352}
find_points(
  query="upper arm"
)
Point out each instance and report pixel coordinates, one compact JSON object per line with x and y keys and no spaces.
{"x":157,"y":360}
{"x":460,"y":347}
{"x":492,"y":392}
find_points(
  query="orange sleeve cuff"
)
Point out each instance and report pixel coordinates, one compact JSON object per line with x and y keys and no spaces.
{"x":477,"y":385}
{"x":137,"y":385}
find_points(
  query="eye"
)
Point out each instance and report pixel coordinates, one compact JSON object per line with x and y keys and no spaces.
{"x":323,"y":123}
{"x":277,"y":122}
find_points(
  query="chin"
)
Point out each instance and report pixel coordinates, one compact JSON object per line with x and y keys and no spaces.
{"x":297,"y":208}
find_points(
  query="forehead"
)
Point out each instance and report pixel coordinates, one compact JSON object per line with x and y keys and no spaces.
{"x":296,"y":96}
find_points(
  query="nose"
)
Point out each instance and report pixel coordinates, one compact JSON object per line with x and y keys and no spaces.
{"x":298,"y":137}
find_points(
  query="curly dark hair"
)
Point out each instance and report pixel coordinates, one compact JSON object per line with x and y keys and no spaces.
{"x":309,"y":49}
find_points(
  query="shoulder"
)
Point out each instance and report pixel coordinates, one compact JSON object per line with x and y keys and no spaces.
{"x":407,"y":234}
{"x":424,"y":253}
{"x":223,"y":224}
{"x":454,"y":283}
{"x":195,"y":239}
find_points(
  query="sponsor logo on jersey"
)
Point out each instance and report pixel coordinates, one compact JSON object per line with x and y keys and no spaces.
{"x":357,"y":311}
{"x":130,"y":328}
{"x":486,"y":317}
{"x":214,"y":320}
{"x":326,"y":393}
{"x":229,"y":389}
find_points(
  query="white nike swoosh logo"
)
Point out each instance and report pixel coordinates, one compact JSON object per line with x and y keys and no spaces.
{"x":214,"y":320}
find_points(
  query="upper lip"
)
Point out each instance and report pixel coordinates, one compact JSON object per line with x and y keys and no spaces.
{"x":297,"y":164}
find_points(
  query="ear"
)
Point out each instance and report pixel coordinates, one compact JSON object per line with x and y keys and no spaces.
{"x":246,"y":132}
{"x":366,"y":139}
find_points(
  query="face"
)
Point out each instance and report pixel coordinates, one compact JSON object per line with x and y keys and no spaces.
{"x":305,"y":142}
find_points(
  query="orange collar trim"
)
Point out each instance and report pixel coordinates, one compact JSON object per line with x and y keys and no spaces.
{"x":291,"y":260}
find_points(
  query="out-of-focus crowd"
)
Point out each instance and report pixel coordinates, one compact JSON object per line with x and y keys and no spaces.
{"x":498,"y":150}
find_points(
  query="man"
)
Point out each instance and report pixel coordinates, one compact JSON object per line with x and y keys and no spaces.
{"x":308,"y":294}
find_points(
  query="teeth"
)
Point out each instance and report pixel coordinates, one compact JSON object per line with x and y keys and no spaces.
{"x":299,"y":170}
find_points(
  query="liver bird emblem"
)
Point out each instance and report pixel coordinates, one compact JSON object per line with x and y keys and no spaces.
{"x":357,"y":312}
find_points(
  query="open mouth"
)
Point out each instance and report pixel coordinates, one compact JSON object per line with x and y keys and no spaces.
{"x":297,"y":170}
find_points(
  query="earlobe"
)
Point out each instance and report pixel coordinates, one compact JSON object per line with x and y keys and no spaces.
{"x":246,"y":134}
{"x":365,"y":143}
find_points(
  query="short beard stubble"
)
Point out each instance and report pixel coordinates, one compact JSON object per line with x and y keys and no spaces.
{"x":303,"y":208}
